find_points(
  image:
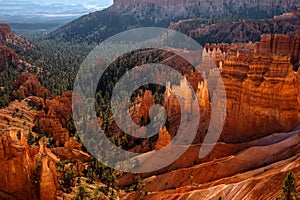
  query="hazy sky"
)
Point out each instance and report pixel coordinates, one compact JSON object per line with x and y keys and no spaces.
{"x":68,"y":2}
{"x":33,"y":7}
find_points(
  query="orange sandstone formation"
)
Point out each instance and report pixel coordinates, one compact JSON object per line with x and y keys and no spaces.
{"x":164,"y":139}
{"x":28,"y":85}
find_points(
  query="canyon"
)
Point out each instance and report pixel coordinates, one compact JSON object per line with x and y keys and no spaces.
{"x":260,"y":134}
{"x":259,"y":143}
{"x":258,"y":146}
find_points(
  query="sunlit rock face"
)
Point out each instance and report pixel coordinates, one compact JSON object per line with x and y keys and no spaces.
{"x":280,"y":44}
{"x":16,"y":167}
{"x":262,"y":95}
{"x":261,"y":84}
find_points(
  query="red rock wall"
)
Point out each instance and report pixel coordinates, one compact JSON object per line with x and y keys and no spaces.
{"x":47,"y":183}
{"x":16,"y":167}
{"x":164,"y":138}
{"x":54,"y":116}
{"x":262,"y":89}
{"x":279,"y":44}
{"x":262,"y":96}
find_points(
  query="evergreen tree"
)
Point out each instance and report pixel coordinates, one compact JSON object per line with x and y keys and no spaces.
{"x":289,"y":186}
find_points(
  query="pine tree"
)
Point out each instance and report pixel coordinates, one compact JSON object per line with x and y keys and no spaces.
{"x":289,"y":186}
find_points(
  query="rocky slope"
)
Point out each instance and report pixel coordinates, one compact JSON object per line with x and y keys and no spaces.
{"x":53,"y":113}
{"x":12,"y":40}
{"x":264,"y":183}
{"x":239,"y":175}
{"x":212,"y":8}
{"x":124,"y":15}
{"x":11,"y":63}
{"x":28,"y":85}
{"x":30,"y":171}
{"x":238,"y":31}
{"x":22,"y":164}
{"x":7,"y":37}
{"x":7,"y":56}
